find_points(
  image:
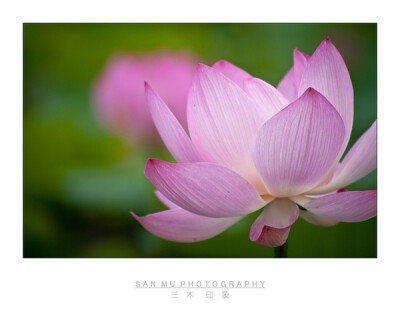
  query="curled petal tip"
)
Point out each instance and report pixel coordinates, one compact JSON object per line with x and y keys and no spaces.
{"x":201,"y":67}
{"x":148,"y":89}
{"x":313,"y":92}
{"x":134,"y":215}
{"x":220,"y":62}
{"x":150,"y":162}
{"x":254,"y":80}
{"x":326,"y":43}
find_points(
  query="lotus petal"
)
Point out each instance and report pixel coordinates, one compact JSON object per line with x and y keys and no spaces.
{"x":266,"y":95}
{"x":289,"y":86}
{"x":170,"y":130}
{"x":294,"y":150}
{"x":272,"y":227}
{"x":182,"y":226}
{"x":345,"y":206}
{"x":358,"y":162}
{"x":231,"y":71}
{"x":223,"y":121}
{"x":205,"y":189}
{"x":327,"y":73}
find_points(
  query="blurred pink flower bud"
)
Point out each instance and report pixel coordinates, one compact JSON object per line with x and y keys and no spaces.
{"x":119,"y":95}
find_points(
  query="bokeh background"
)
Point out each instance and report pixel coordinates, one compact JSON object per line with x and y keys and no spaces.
{"x":81,"y":181}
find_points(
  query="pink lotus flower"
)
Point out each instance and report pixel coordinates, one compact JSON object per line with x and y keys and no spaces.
{"x":253,"y":146}
{"x":119,"y":95}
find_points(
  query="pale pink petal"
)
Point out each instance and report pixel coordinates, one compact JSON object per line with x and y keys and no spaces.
{"x":266,"y":95}
{"x":289,"y":86}
{"x":205,"y":189}
{"x":231,"y":71}
{"x":182,"y":226}
{"x":272,"y":227}
{"x":359,"y":161}
{"x":317,"y":220}
{"x":294,"y":149}
{"x":327,"y":73}
{"x":273,"y":237}
{"x":171,"y":75}
{"x":170,"y":130}
{"x":165,"y":200}
{"x":223,"y":121}
{"x":345,"y":206}
{"x":300,"y":63}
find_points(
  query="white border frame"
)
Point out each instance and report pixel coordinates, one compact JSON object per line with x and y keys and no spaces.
{"x":104,"y":288}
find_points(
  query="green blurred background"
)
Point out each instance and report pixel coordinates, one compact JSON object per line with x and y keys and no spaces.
{"x":80,"y":181}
